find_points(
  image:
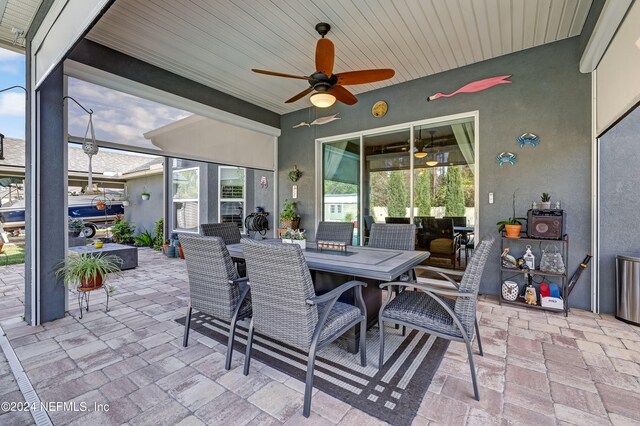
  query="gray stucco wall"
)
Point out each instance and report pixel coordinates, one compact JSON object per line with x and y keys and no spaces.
{"x":143,"y":214}
{"x":619,"y":201}
{"x":549,"y":97}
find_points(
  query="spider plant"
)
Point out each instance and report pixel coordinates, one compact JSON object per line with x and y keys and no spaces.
{"x":88,"y":269}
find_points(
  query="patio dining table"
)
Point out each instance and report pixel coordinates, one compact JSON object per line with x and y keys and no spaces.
{"x":331,"y":268}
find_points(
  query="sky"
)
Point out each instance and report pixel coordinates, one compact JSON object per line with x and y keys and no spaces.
{"x":12,"y":103}
{"x":118,"y":117}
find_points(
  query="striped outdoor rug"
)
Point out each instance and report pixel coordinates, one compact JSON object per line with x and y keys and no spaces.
{"x":392,"y":394}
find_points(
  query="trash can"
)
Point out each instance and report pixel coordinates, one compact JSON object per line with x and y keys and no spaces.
{"x":628,"y":289}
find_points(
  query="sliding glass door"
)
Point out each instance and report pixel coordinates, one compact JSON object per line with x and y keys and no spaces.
{"x":341,"y":183}
{"x":403,"y":174}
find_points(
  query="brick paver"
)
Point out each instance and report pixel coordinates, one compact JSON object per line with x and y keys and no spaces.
{"x":539,"y":368}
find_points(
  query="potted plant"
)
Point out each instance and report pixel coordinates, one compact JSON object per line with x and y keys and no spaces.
{"x":122,"y":232}
{"x":513,"y":226}
{"x":180,"y":251}
{"x":125,"y":200}
{"x":295,"y":236}
{"x":145,"y":195}
{"x":289,"y":217}
{"x":101,"y":205}
{"x":75,"y":227}
{"x":88,"y":270}
{"x":545,"y":201}
{"x":165,"y":245}
{"x":295,"y":174}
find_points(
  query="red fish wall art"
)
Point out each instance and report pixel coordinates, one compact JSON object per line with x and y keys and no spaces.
{"x":476,"y":86}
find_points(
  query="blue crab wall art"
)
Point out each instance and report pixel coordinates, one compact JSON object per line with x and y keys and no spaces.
{"x":506,"y":158}
{"x":528,"y":139}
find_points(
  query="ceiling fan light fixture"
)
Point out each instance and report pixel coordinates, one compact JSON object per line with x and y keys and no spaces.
{"x":432,"y":163}
{"x":420,"y":154}
{"x":322,"y":100}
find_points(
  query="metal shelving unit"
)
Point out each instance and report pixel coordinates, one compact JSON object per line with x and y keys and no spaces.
{"x":510,"y":274}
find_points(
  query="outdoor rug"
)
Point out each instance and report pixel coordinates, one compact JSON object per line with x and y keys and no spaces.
{"x":392,"y":394}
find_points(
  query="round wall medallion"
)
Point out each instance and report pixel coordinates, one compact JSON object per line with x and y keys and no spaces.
{"x":379,"y":109}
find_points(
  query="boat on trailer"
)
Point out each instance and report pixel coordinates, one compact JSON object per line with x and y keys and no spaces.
{"x":82,"y":207}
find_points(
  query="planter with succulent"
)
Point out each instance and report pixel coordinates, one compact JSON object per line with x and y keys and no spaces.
{"x":294,"y":236}
{"x":545,"y":201}
{"x":289,"y":217}
{"x":295,"y":174}
{"x":75,"y":227}
{"x":145,"y":195}
{"x":512,"y":226}
{"x":88,"y":270}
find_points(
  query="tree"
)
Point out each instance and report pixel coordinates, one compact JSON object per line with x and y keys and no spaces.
{"x":423,"y":193}
{"x":454,"y":205}
{"x":397,"y":194}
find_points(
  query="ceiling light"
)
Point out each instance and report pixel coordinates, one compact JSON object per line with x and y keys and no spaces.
{"x":420,"y":154}
{"x":432,"y":163}
{"x":322,"y":100}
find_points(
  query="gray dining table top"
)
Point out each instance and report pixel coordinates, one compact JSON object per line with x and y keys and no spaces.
{"x":360,"y":262}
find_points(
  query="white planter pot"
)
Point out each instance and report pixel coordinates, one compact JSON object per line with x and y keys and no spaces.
{"x":545,"y":205}
{"x":145,"y":197}
{"x":301,"y":243}
{"x":125,"y":203}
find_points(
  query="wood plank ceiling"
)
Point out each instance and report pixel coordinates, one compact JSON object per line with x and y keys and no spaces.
{"x":16,"y":14}
{"x":217,"y":42}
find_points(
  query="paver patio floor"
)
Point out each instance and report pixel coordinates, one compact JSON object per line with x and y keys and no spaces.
{"x":539,"y":368}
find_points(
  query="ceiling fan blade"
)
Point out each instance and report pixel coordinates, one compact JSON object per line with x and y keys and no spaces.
{"x":364,"y":76}
{"x":279,"y":74}
{"x":299,"y":95}
{"x":325,"y":55}
{"x":343,"y":95}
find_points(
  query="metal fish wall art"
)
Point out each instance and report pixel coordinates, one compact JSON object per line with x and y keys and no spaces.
{"x":475,"y":86}
{"x":318,"y":121}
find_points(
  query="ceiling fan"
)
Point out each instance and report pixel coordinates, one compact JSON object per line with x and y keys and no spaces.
{"x":329,"y":87}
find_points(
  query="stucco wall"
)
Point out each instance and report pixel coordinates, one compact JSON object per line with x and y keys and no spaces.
{"x":548,"y":96}
{"x":619,"y":201}
{"x":141,"y":213}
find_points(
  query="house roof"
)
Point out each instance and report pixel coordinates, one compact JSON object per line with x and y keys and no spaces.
{"x":106,"y":161}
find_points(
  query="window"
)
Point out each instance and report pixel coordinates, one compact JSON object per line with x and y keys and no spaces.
{"x":186,"y":199}
{"x":339,"y":208}
{"x":333,"y":208}
{"x":232,"y":182}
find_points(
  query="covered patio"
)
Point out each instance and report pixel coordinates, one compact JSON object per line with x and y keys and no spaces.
{"x":538,"y":368}
{"x":407,"y":299}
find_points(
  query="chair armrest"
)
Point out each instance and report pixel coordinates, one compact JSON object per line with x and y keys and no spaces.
{"x":335,"y":293}
{"x":439,"y":270}
{"x":441,"y":291}
{"x":239,"y":281}
{"x":394,"y":283}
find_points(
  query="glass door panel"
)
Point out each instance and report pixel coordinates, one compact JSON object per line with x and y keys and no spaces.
{"x":341,"y":183}
{"x":387,"y":177}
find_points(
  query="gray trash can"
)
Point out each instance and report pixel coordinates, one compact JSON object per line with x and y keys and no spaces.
{"x":628,"y":289}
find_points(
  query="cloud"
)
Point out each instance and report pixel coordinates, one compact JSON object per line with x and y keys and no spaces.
{"x":118,"y":117}
{"x":12,"y":104}
{"x":6,"y":55}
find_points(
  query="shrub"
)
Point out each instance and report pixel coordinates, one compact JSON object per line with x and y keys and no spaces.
{"x":145,"y":239}
{"x":122,"y":232}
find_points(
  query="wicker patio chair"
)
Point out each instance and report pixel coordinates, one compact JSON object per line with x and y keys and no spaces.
{"x":335,"y":231}
{"x":447,"y":313}
{"x":286,"y":307}
{"x":393,"y":236}
{"x":230,"y":234}
{"x":214,"y":286}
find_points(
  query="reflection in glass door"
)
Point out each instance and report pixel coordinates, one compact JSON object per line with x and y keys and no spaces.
{"x":386,"y":174}
{"x":341,"y":183}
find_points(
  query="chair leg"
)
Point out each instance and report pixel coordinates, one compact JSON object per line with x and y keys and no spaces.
{"x":473,"y":370}
{"x":478,"y":336}
{"x":247,"y":356}
{"x":381,"y":357}
{"x":232,"y":334}
{"x":404,"y":331}
{"x":308,"y":386}
{"x":187,"y":325}
{"x":363,"y":342}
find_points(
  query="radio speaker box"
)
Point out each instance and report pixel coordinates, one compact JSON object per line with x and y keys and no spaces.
{"x":546,"y":224}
